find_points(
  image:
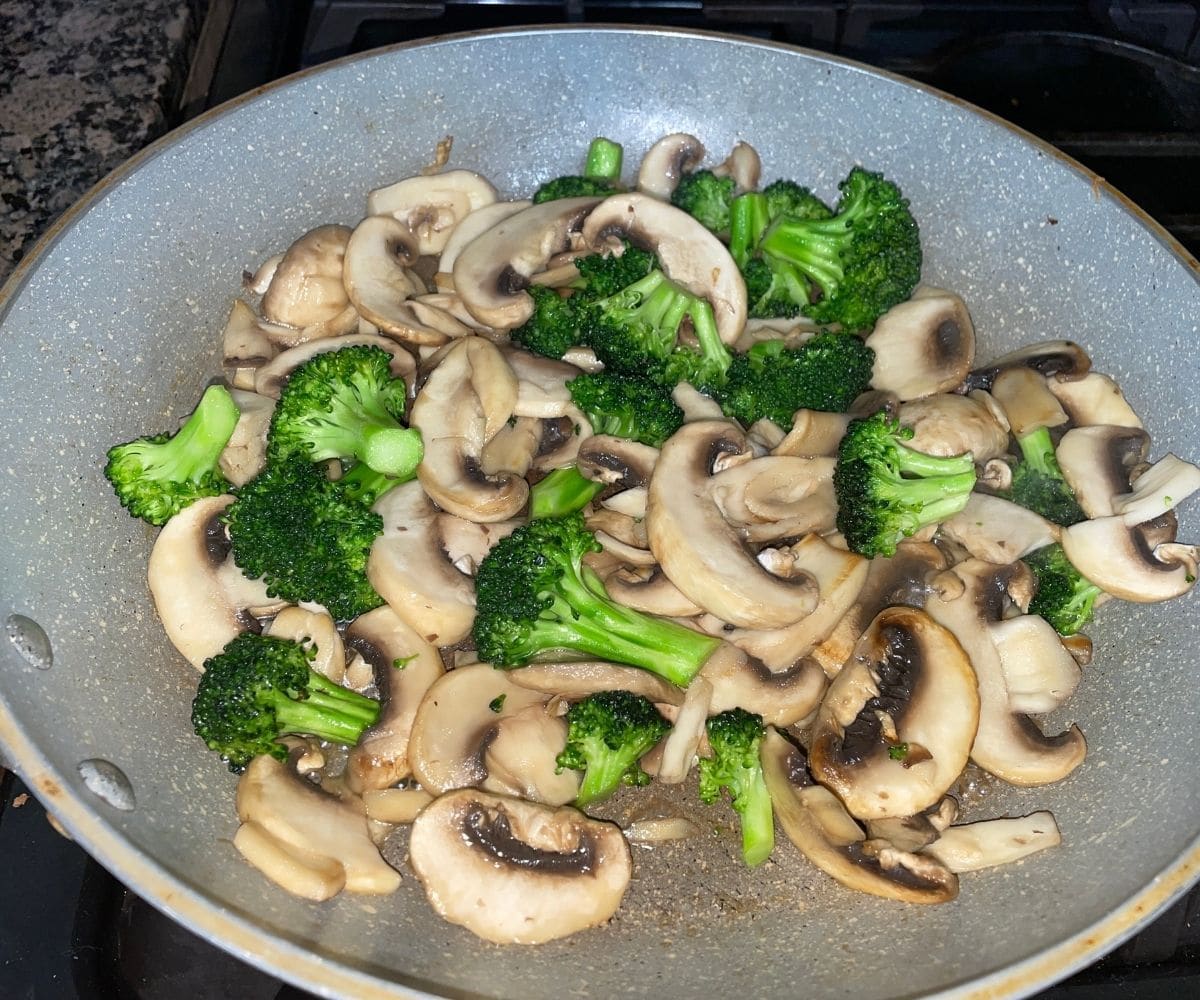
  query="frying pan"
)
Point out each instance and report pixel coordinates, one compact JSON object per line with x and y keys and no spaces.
{"x":111,"y":329}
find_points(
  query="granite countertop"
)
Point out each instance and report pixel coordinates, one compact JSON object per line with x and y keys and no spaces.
{"x":84,"y":84}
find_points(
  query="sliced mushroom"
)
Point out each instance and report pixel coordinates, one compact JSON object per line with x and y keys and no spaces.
{"x":947,"y":424}
{"x":782,"y":698}
{"x":1052,"y":357}
{"x":1158,"y":490}
{"x":616,"y":461}
{"x":245,"y":454}
{"x":743,"y":165}
{"x":895,"y":728}
{"x":306,"y":287}
{"x":541,"y":384}
{"x":317,"y":631}
{"x":1039,"y":673}
{"x":666,"y":162}
{"x":1093,"y":399}
{"x":924,"y":345}
{"x":695,"y":404}
{"x":201,"y":597}
{"x":270,"y":378}
{"x":576,"y":679}
{"x":473,"y":226}
{"x":243,"y":343}
{"x":687,"y":730}
{"x":1127,"y":563}
{"x":492,"y":271}
{"x":813,"y":434}
{"x":690,"y":255}
{"x":819,"y":826}
{"x":1008,"y":744}
{"x":777,"y":496}
{"x":521,"y":758}
{"x":992,"y":842}
{"x":376,"y":272}
{"x":647,"y":589}
{"x":1098,"y":463}
{"x":466,"y":543}
{"x":431,"y":205}
{"x":1027,"y":401}
{"x":514,"y":872}
{"x":998,"y":530}
{"x":259,"y":280}
{"x":699,"y":551}
{"x":404,"y":666}
{"x":309,"y":843}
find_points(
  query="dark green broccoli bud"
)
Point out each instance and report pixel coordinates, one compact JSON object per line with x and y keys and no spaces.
{"x":1064,"y":598}
{"x":627,"y":406}
{"x":863,"y":260}
{"x":155,"y":477}
{"x":260,"y":688}
{"x":607,"y":734}
{"x":305,"y":537}
{"x":789,"y":198}
{"x":602,"y":275}
{"x":346,"y":404}
{"x":826,"y":372}
{"x":562,"y":491}
{"x":601,"y":172}
{"x":553,"y":329}
{"x":887,"y":491}
{"x":775,"y":289}
{"x":735,"y":764}
{"x":534,"y":593}
{"x":706,"y":198}
{"x":1038,"y":484}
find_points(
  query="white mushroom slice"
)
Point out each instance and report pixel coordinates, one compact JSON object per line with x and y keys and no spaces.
{"x":690,"y":255}
{"x":992,"y":842}
{"x":1051,"y":357}
{"x":743,"y":165}
{"x":409,"y":568}
{"x":470,"y":228}
{"x":314,"y":630}
{"x":464,"y":403}
{"x":378,"y":255}
{"x":245,"y":454}
{"x":243,"y":343}
{"x":680,"y":746}
{"x":1124,"y":562}
{"x":577,"y":679}
{"x":1027,"y":401}
{"x":521,"y":758}
{"x":782,"y":698}
{"x":896,"y":726}
{"x":492,"y":271}
{"x":819,"y":826}
{"x":306,"y":287}
{"x":514,"y":872}
{"x":646,"y":589}
{"x":306,"y":841}
{"x":260,"y":280}
{"x":778,"y":496}
{"x":1008,"y":744}
{"x":395,"y":806}
{"x":1098,"y":463}
{"x":666,"y":162}
{"x":1161,"y":488}
{"x":699,"y":551}
{"x":1039,"y":673}
{"x":1093,"y":399}
{"x":660,"y":830}
{"x":466,"y":543}
{"x":541,"y":384}
{"x":998,"y":530}
{"x":814,"y":434}
{"x":616,"y":461}
{"x":201,"y":597}
{"x":924,"y":345}
{"x":432,"y":205}
{"x":695,"y":405}
{"x":270,"y":378}
{"x":404,"y":666}
{"x":947,"y":424}
{"x":513,"y":449}
{"x":631,"y":502}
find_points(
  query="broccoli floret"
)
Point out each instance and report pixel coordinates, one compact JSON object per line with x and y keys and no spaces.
{"x":706,"y":198}
{"x":789,"y":198}
{"x":602,"y":275}
{"x":886,"y":491}
{"x":156,"y":476}
{"x":607,"y":734}
{"x":305,"y":537}
{"x":260,"y":688}
{"x":601,"y":172}
{"x":770,"y":380}
{"x":346,"y":404}
{"x":562,"y":491}
{"x":533,"y":594}
{"x":863,"y":260}
{"x":1064,"y":597}
{"x":735,"y":736}
{"x":627,"y":406}
{"x":1038,"y":484}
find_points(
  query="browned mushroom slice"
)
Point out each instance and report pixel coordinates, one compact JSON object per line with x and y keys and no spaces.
{"x":1051,"y":357}
{"x":667,"y":161}
{"x":514,"y":872}
{"x":1098,"y":463}
{"x":947,"y":424}
{"x":896,"y":726}
{"x":306,"y":287}
{"x":430,"y":206}
{"x":813,"y":434}
{"x":1093,"y":400}
{"x":1125,"y":562}
{"x":576,"y":679}
{"x":924,"y":345}
{"x":819,"y":826}
{"x":782,"y":698}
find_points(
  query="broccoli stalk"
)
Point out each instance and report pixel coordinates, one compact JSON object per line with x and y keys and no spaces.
{"x":534,"y":594}
{"x":887,"y":491}
{"x":1038,"y":484}
{"x":735,"y":736}
{"x":607,"y":734}
{"x":155,"y":477}
{"x":562,"y":491}
{"x":706,"y":198}
{"x":260,"y":688}
{"x":346,"y":404}
{"x":1064,"y":597}
{"x":601,"y":171}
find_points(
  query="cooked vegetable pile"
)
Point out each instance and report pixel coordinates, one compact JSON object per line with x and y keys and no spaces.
{"x":673,"y":497}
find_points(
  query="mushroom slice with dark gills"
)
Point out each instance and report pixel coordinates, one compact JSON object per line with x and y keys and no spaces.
{"x":667,"y":161}
{"x":924,"y":345}
{"x":1098,"y":463}
{"x":896,"y":726}
{"x":824,"y":832}
{"x":514,"y":872}
{"x":430,"y":206}
{"x":1063,"y":358}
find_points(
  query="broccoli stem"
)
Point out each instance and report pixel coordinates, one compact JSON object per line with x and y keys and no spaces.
{"x":1037,"y":448}
{"x":757,"y":821}
{"x":604,"y":159}
{"x":917,"y":463}
{"x":938,"y":497}
{"x":391,"y":450}
{"x":605,"y":771}
{"x":704,"y":326}
{"x":815,"y":247}
{"x":563,"y":491}
{"x":326,"y":710}
{"x":194,"y":449}
{"x":747,"y":219}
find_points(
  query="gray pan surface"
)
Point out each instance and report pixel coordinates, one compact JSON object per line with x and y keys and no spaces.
{"x":112,"y":329}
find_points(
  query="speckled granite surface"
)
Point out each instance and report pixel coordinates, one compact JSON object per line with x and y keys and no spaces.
{"x":84,"y":84}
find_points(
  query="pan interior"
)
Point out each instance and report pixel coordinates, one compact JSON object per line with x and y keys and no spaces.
{"x":115,"y":330}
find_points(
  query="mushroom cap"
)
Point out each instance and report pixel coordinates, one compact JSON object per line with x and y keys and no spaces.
{"x":306,"y":288}
{"x":924,"y":345}
{"x":690,"y":255}
{"x":666,"y":162}
{"x":1127,"y":563}
{"x":1098,"y":461}
{"x":1050,"y":357}
{"x":430,"y":206}
{"x":514,"y":872}
{"x":908,"y":684}
{"x":474,"y":225}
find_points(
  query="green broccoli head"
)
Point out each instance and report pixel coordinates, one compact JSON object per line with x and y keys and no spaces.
{"x":534,"y":594}
{"x":887,"y":491}
{"x":155,"y":477}
{"x":826,"y":372}
{"x":706,"y":198}
{"x":735,"y":737}
{"x":553,"y":329}
{"x":260,"y":688}
{"x":305,"y":537}
{"x":627,"y":406}
{"x":1038,"y":484}
{"x":774,"y":289}
{"x":785,"y":197}
{"x":345,"y":404}
{"x":607,"y":734}
{"x":602,"y":275}
{"x":1064,"y":597}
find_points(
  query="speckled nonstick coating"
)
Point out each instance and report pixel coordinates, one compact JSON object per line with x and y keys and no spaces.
{"x":112,"y":328}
